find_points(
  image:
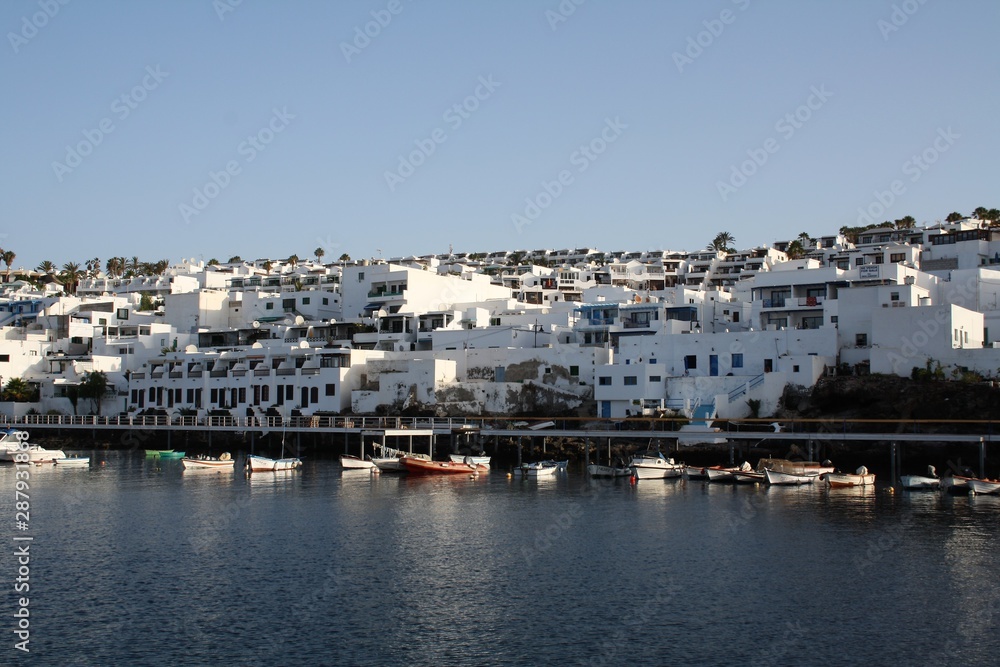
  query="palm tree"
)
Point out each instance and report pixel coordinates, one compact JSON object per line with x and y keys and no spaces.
{"x":722,"y":242}
{"x":134,"y":266}
{"x":293,"y":260}
{"x":345,"y":258}
{"x":267,"y":266}
{"x":906,"y":222}
{"x":46,"y":266}
{"x":70,"y":276}
{"x":93,"y":267}
{"x":212,"y":262}
{"x":795,"y":250}
{"x":235,"y":259}
{"x":980,"y":213}
{"x":16,"y":390}
{"x":319,"y":252}
{"x":954,"y":216}
{"x":114,"y":267}
{"x":8,"y":259}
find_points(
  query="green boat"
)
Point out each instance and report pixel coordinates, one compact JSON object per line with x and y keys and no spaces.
{"x":171,"y":454}
{"x":156,"y":453}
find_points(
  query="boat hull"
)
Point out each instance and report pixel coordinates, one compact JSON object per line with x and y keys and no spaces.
{"x":919,"y":483}
{"x":654,"y":467}
{"x":776,"y":478}
{"x":842,"y":481}
{"x":983,"y":486}
{"x":354,"y":463}
{"x":536,"y":470}
{"x":73,"y":462}
{"x":607,"y":471}
{"x":36,"y":454}
{"x":743,"y":477}
{"x":478,"y":460}
{"x":424,"y":467}
{"x":206,"y":464}
{"x":695,"y":473}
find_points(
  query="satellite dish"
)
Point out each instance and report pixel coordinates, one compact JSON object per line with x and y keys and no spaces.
{"x":381,"y":312}
{"x":299,"y":319}
{"x":256,"y":324}
{"x":257,"y":346}
{"x":303,"y":344}
{"x":190,"y":349}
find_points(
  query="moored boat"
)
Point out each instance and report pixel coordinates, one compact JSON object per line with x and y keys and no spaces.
{"x":537,"y":469}
{"x":725,"y":474}
{"x":777,"y":478}
{"x":464,"y":458}
{"x":796,"y":467}
{"x":354,"y":463}
{"x":171,"y":454}
{"x":595,"y":470}
{"x":417,"y":466}
{"x":224,"y":461}
{"x":73,"y":462}
{"x":694,"y":472}
{"x":983,"y":486}
{"x":861,"y":477}
{"x":655,"y":467}
{"x":921,"y":482}
{"x":35,"y":454}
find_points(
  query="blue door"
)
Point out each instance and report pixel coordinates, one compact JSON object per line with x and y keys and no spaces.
{"x":713,"y":364}
{"x":606,"y":409}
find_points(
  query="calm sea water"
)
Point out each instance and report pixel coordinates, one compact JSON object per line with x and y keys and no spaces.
{"x":137,"y":562}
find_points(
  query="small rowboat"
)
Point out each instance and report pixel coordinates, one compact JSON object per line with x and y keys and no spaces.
{"x":985,"y":486}
{"x":478,"y":460}
{"x":73,"y":462}
{"x":539,"y":469}
{"x":170,"y":454}
{"x":861,"y":478}
{"x":416,"y":466}
{"x":692,"y":472}
{"x":748,"y":477}
{"x":264,"y":464}
{"x":777,"y":478}
{"x":607,"y":471}
{"x":224,"y":461}
{"x":921,"y":482}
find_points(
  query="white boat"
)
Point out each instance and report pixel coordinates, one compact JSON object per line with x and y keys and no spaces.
{"x":224,"y":461}
{"x":538,"y":469}
{"x":388,"y":459}
{"x":725,"y":474}
{"x":561,"y":466}
{"x":861,"y":477}
{"x":796,"y":467}
{"x":983,"y":486}
{"x":608,"y":471}
{"x":478,"y":460}
{"x":73,"y":462}
{"x":655,"y":467}
{"x":694,"y":472}
{"x":36,"y":454}
{"x":921,"y":482}
{"x":264,"y":464}
{"x":354,"y":463}
{"x":775,"y":477}
{"x":955,"y":484}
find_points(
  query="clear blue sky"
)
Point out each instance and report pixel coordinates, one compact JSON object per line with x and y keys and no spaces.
{"x":322,"y":179}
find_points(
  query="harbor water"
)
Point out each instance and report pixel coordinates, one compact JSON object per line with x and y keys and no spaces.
{"x":136,"y":561}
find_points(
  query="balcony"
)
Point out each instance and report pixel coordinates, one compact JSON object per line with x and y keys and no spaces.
{"x":811,"y":301}
{"x":385,"y":294}
{"x":630,"y":324}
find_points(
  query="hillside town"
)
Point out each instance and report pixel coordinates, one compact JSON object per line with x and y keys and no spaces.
{"x":717,"y":333}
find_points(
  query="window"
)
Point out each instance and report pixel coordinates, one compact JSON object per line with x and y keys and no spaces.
{"x":604,"y":381}
{"x":877,"y":259}
{"x":289,"y":392}
{"x":548,"y":370}
{"x":361,"y":276}
{"x":4,"y":357}
{"x":325,"y":301}
{"x":305,"y":301}
{"x":288,"y":304}
{"x":242,"y":395}
{"x":314,"y":395}
{"x":894,"y":296}
{"x":265,"y":393}
{"x":833,"y":319}
{"x":861,"y":340}
{"x":738,"y":360}
{"x":631,"y":380}
{"x":331,"y":390}
{"x":269,"y":306}
{"x":655,"y":378}
{"x":494,"y":321}
{"x":690,"y":362}
{"x":190,"y":396}
{"x":574,"y":371}
{"x":795,"y":369}
{"x":897,"y":257}
{"x":652,"y":361}
{"x":860,"y":261}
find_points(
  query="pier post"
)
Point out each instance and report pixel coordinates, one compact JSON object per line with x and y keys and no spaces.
{"x":892,"y":463}
{"x":586,"y":453}
{"x":731,"y":453}
{"x":982,"y":459}
{"x":518,"y":451}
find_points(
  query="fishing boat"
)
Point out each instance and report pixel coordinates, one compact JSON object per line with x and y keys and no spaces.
{"x":478,"y":460}
{"x":155,"y":453}
{"x":983,"y":486}
{"x":657,"y":466}
{"x":354,"y":463}
{"x":956,"y":484}
{"x":725,"y":474}
{"x":595,"y":470}
{"x":419,"y":466}
{"x":224,"y":461}
{"x":73,"y":462}
{"x":921,"y":482}
{"x":796,"y":467}
{"x":291,"y":463}
{"x":777,"y":478}
{"x":171,"y":454}
{"x":861,"y":477}
{"x":537,"y":469}
{"x":560,"y":466}
{"x":693,"y":472}
{"x":387,"y":459}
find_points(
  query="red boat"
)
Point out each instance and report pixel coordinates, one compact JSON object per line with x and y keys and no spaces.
{"x":417,"y":466}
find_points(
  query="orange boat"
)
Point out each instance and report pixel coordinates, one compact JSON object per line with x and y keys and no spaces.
{"x":417,"y":466}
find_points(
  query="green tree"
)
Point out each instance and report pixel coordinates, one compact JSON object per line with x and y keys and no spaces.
{"x":213,"y":262}
{"x":954,"y":216}
{"x":8,"y":259}
{"x":94,"y":386}
{"x":70,"y":276}
{"x":235,"y":259}
{"x":722,"y":242}
{"x":795,"y":250}
{"x":344,"y":258}
{"x":17,"y":390}
{"x":267,"y":266}
{"x":319,"y":252}
{"x":293,"y":260}
{"x":980,"y":212}
{"x":46,"y":266}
